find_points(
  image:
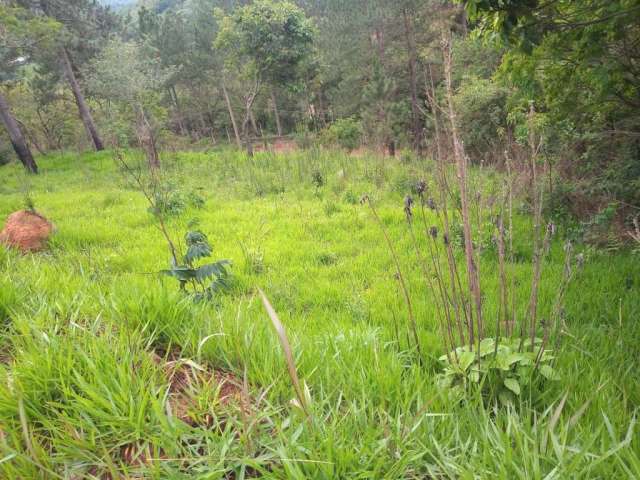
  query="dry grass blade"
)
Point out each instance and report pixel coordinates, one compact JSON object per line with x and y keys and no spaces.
{"x":553,"y":421}
{"x":286,"y":347}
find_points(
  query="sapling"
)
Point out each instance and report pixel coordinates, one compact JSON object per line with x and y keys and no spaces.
{"x":202,"y":281}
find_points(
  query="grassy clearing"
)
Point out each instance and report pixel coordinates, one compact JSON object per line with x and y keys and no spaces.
{"x":81,"y":395}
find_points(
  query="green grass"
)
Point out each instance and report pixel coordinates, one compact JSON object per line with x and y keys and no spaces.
{"x":79,"y":321}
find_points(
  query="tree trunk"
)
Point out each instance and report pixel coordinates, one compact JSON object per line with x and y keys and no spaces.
{"x":85,"y":114}
{"x":17,"y":139}
{"x":248,"y":118}
{"x":276,"y":113}
{"x":254,"y":124}
{"x":231,"y":115}
{"x":147,"y":139}
{"x":245,"y":133}
{"x":176,"y":104}
{"x":416,"y":129}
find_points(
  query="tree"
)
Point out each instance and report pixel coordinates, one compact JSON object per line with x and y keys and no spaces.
{"x":122,"y":74}
{"x":86,"y":24}
{"x":264,"y":42}
{"x":20,"y":32}
{"x":578,"y":63}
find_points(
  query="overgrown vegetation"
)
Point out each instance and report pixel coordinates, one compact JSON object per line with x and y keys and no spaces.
{"x":82,"y":319}
{"x":176,"y":73}
{"x":472,"y":318}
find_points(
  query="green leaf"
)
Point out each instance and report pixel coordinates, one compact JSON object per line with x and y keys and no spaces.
{"x":181,"y":273}
{"x":465,"y":359}
{"x":487,"y":346}
{"x":513,"y":385}
{"x":197,"y":251}
{"x":195,"y":237}
{"x":549,"y":373}
{"x":212,"y":269}
{"x":506,"y":397}
{"x":505,"y":360}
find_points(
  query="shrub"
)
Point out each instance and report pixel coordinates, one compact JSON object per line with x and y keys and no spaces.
{"x":304,"y":138}
{"x":345,"y":133}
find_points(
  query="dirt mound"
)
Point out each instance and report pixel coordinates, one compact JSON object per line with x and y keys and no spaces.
{"x":27,"y":231}
{"x":186,"y":377}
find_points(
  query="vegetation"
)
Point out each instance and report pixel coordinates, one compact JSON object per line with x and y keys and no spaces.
{"x":81,"y":321}
{"x":319,"y":239}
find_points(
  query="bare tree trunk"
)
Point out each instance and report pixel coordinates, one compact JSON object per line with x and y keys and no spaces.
{"x":17,"y":138}
{"x":176,"y":104}
{"x":276,"y":113}
{"x":248,"y":117}
{"x":254,"y":124}
{"x":51,"y":144}
{"x":231,"y":115}
{"x":147,"y":139}
{"x":416,"y":129}
{"x":85,"y":114}
{"x":245,"y":133}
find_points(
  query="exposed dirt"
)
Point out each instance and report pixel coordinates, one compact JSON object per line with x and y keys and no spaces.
{"x":27,"y":231}
{"x":365,"y":151}
{"x":186,"y":378}
{"x":281,"y":145}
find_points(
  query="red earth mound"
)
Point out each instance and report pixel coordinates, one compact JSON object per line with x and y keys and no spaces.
{"x":27,"y":231}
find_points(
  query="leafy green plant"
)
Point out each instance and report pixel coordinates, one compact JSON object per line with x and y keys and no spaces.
{"x":195,"y":199}
{"x":317,"y":179}
{"x":345,"y":132}
{"x":502,"y":372}
{"x":167,"y":200}
{"x":203,"y":281}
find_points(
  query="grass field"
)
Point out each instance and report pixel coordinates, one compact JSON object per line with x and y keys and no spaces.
{"x":89,"y":329}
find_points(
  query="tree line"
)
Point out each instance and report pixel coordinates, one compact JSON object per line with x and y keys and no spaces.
{"x":77,"y":74}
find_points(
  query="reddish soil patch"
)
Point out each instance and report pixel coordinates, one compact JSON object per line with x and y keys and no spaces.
{"x":280,"y":145}
{"x":186,"y":378}
{"x":364,"y":151}
{"x":27,"y":231}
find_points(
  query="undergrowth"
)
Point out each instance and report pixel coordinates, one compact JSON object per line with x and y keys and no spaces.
{"x":83,"y":394}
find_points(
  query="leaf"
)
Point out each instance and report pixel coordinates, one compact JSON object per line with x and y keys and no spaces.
{"x":513,"y":385}
{"x":549,"y":373}
{"x":212,"y":269}
{"x":196,"y":251}
{"x":487,"y":346}
{"x":286,"y":348}
{"x":183,"y":274}
{"x":505,"y":360}
{"x":195,"y":237}
{"x":465,"y":359}
{"x":505,"y":397}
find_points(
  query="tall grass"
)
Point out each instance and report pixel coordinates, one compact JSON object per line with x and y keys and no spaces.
{"x":79,"y":323}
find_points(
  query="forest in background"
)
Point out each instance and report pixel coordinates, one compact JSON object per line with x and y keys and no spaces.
{"x":185,"y":74}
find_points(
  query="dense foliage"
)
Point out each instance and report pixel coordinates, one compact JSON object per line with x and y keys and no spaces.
{"x":213,"y":70}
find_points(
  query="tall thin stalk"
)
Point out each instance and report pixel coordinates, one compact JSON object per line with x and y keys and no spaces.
{"x":461,"y":166}
{"x":442,"y":311}
{"x":405,"y":290}
{"x":457,"y":296}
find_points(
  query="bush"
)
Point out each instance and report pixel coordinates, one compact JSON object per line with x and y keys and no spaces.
{"x":304,"y":138}
{"x":501,"y":374}
{"x":345,"y":133}
{"x":5,"y":153}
